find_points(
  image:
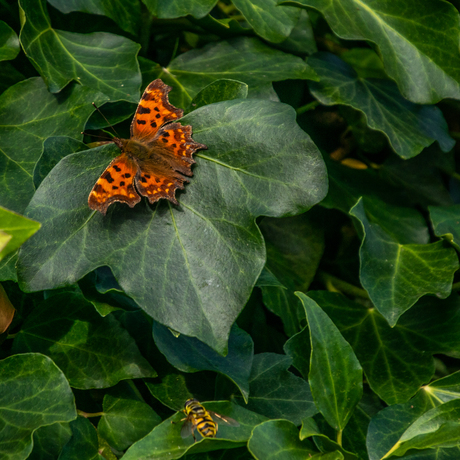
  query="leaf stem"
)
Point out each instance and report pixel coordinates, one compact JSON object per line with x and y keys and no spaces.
{"x":305,"y":108}
{"x":456,"y":286}
{"x":226,"y":9}
{"x":339,"y":438}
{"x":87,"y":414}
{"x":335,"y":284}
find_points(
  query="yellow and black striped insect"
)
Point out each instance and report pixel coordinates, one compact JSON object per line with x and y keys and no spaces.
{"x":204,"y":421}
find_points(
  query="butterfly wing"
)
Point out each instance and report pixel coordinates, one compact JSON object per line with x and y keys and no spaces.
{"x":153,"y":111}
{"x":170,"y":160}
{"x":115,"y":184}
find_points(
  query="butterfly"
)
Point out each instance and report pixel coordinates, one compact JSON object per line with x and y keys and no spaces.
{"x":156,"y":159}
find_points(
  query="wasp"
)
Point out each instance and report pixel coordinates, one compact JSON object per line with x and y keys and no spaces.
{"x":204,"y":421}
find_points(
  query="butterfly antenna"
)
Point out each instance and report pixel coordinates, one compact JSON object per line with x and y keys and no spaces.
{"x":94,"y":135}
{"x":103,"y":116}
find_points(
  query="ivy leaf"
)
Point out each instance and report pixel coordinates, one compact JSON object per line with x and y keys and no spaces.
{"x":190,"y":355}
{"x":165,"y":439}
{"x":126,"y":13}
{"x":125,"y":420}
{"x":68,"y":329}
{"x":62,"y":56}
{"x":49,"y":441}
{"x":439,"y":427}
{"x":294,"y":249}
{"x":216,"y":211}
{"x":446,"y":224}
{"x":277,"y":439}
{"x":31,"y":384}
{"x":269,"y":20}
{"x":277,"y":393}
{"x":409,"y":127}
{"x":54,"y":150}
{"x":335,"y":374}
{"x":418,"y":54}
{"x":217,"y":91}
{"x":192,"y":71}
{"x":9,"y":42}
{"x":170,"y":9}
{"x":172,"y":391}
{"x":28,"y":115}
{"x":14,"y":230}
{"x":83,"y":443}
{"x":397,"y":275}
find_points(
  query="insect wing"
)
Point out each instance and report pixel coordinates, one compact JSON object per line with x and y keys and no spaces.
{"x":218,"y":418}
{"x":186,"y":429}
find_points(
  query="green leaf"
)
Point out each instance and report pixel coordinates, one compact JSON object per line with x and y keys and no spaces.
{"x":9,"y":42}
{"x":336,"y":377}
{"x":28,"y":115}
{"x":217,"y":91}
{"x":269,"y":20}
{"x":126,"y":13}
{"x":83,"y":444}
{"x":165,"y":440}
{"x":418,"y":54}
{"x":54,"y":150}
{"x":190,"y":355}
{"x":169,"y":9}
{"x":62,"y":56}
{"x":277,"y":393}
{"x":409,"y":127}
{"x":279,"y":439}
{"x":49,"y":441}
{"x":30,"y":384}
{"x":294,"y":249}
{"x":8,"y":267}
{"x":9,"y":76}
{"x":126,"y":420}
{"x":192,"y":71}
{"x":446,"y":224}
{"x":93,"y":352}
{"x":397,"y":275}
{"x":439,"y":427}
{"x":14,"y":230}
{"x":172,"y":391}
{"x":176,"y":241}
{"x":302,"y":39}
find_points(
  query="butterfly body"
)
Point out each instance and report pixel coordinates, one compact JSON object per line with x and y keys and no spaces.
{"x":156,"y":159}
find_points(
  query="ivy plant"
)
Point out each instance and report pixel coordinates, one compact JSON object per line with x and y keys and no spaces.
{"x":304,"y":282}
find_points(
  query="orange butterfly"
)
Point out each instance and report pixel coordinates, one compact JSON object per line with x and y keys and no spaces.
{"x":154,"y":160}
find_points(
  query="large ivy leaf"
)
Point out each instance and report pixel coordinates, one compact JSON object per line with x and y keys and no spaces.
{"x":28,"y":115}
{"x":30,"y":384}
{"x":9,"y":42}
{"x":126,"y":13}
{"x":190,"y":355}
{"x":277,"y":393}
{"x":200,"y":260}
{"x":336,"y":377}
{"x":269,"y":20}
{"x":62,"y":56}
{"x":165,"y":440}
{"x":409,"y":127}
{"x":14,"y":229}
{"x":418,"y":53}
{"x":279,"y":439}
{"x":243,"y":59}
{"x":397,"y":275}
{"x":93,"y":352}
{"x":168,"y":9}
